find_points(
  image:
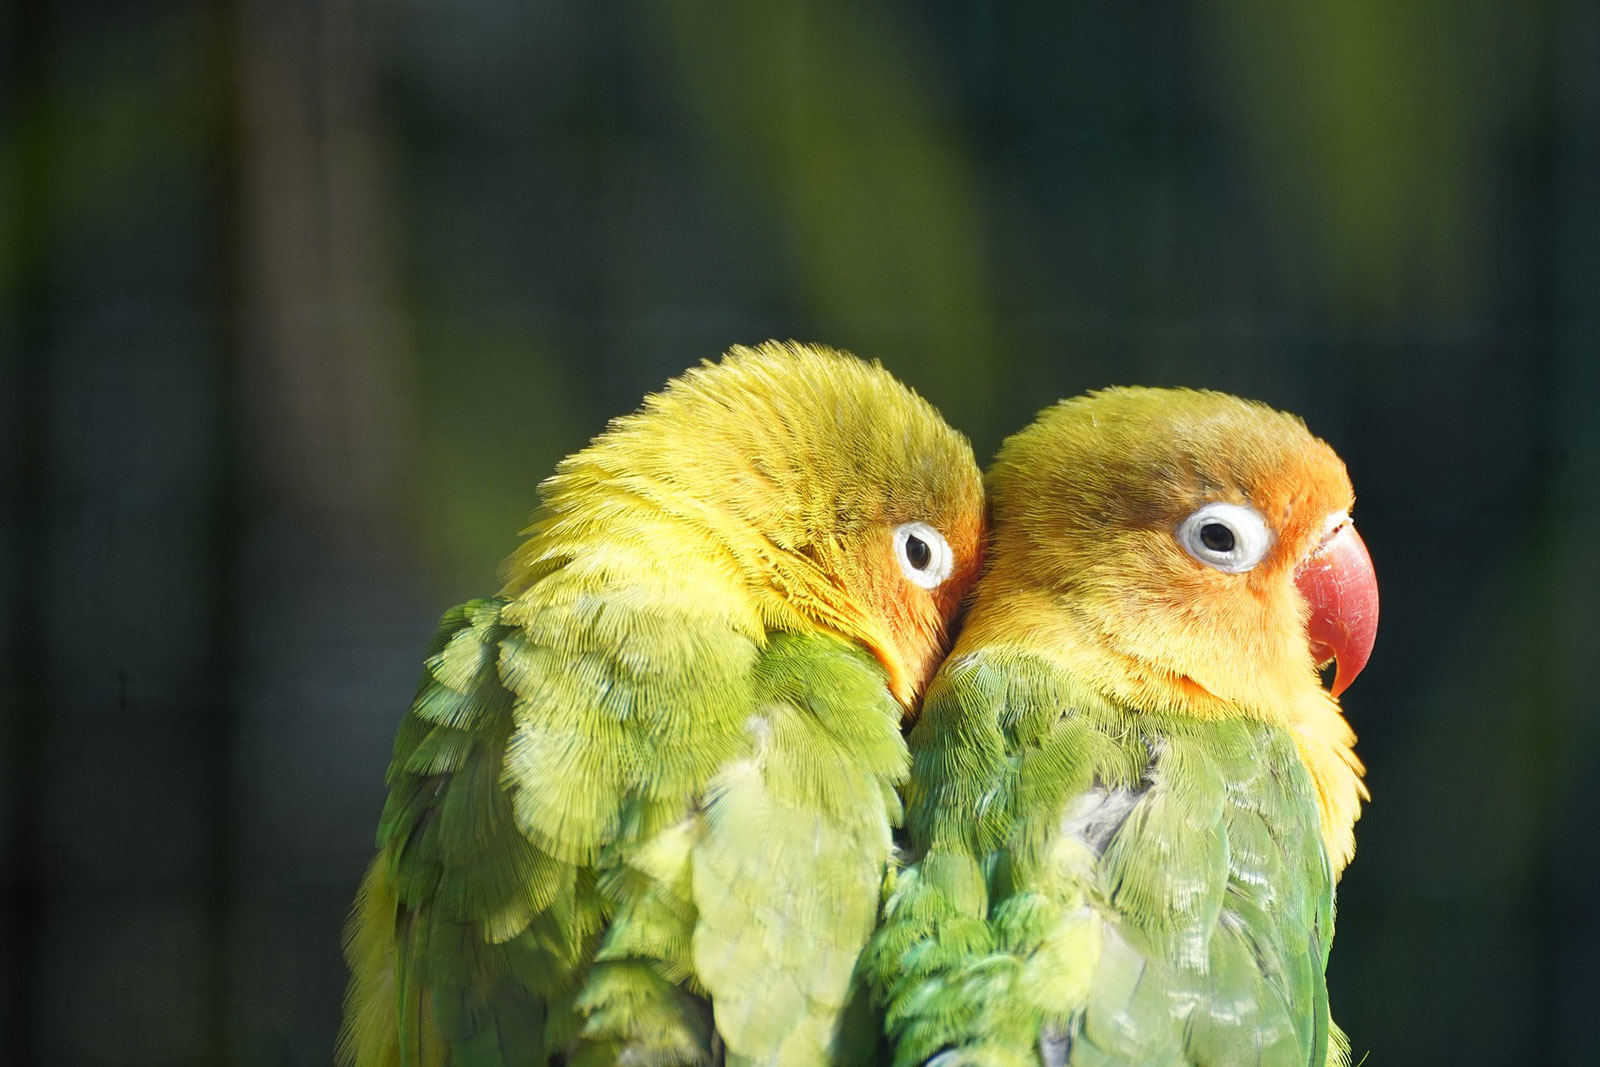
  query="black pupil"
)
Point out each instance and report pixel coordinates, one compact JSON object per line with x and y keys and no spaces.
{"x":1216,"y":537}
{"x":917,"y":552}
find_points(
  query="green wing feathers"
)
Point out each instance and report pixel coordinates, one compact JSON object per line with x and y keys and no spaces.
{"x":464,"y":927}
{"x":796,"y":839}
{"x":615,"y":830}
{"x":1094,"y":886}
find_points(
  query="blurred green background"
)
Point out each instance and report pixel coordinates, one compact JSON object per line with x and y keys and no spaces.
{"x":300,"y":300}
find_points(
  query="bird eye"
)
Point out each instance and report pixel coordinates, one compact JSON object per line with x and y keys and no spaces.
{"x":1216,"y":537}
{"x":1233,"y":538}
{"x":924,"y":555}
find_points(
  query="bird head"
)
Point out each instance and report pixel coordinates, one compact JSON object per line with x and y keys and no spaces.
{"x":1188,"y":550}
{"x":814,"y":486}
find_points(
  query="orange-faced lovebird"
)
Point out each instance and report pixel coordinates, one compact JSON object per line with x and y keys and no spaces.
{"x":1131,"y":795}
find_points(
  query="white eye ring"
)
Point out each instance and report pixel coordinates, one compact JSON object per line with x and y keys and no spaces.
{"x":1238,"y":546}
{"x":923,"y":553}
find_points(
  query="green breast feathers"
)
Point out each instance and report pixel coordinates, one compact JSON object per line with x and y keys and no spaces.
{"x":1095,"y":885}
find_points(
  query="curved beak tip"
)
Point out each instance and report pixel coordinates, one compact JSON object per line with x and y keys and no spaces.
{"x":1341,"y":589}
{"x":905,"y":681}
{"x":904,"y":693}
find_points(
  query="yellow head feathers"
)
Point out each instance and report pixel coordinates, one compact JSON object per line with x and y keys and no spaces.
{"x":770,"y":486}
{"x":1088,"y":504}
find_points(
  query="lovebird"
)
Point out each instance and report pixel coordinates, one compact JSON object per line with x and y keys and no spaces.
{"x":641,"y":808}
{"x":1131,"y":794}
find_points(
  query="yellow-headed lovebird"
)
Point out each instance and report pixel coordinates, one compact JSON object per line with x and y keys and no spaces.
{"x":1131,"y":795}
{"x":641,"y":807}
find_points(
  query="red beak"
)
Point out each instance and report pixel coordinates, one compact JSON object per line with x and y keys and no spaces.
{"x":1338,"y":582}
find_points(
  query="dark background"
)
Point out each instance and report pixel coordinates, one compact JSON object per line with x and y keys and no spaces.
{"x":299,"y":301}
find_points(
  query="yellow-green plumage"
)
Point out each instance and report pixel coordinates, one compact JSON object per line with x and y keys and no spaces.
{"x":1137,"y":890}
{"x":1123,"y":847}
{"x":641,"y":806}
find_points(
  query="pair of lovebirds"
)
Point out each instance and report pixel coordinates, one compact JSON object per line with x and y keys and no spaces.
{"x":706,"y":783}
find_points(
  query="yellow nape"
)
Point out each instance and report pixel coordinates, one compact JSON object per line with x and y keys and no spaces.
{"x":764,"y":490}
{"x":1087,"y":565}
